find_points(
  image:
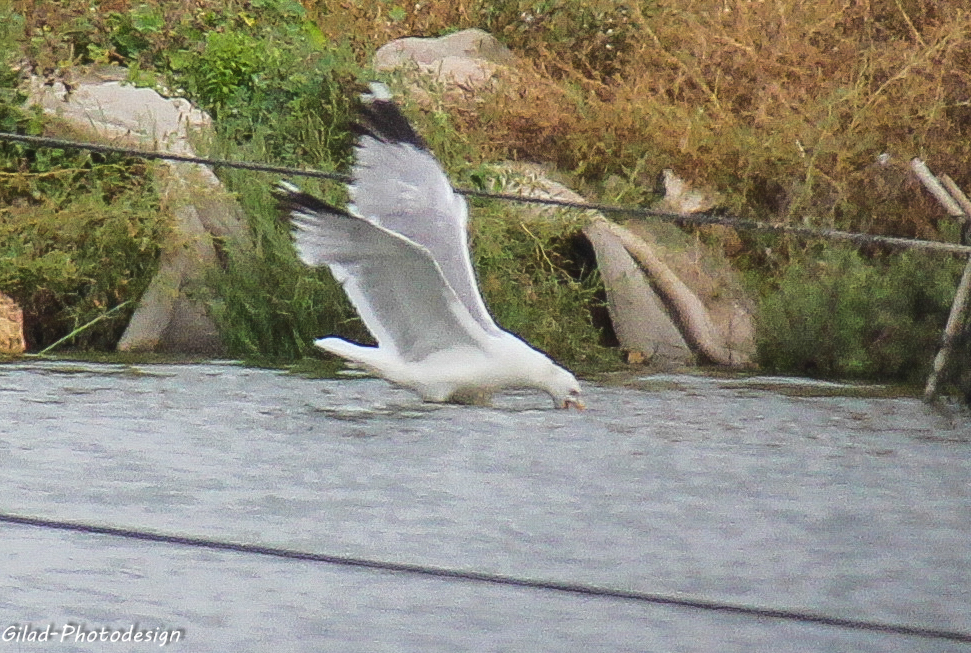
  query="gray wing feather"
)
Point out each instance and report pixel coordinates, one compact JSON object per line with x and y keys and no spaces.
{"x":394,"y":283}
{"x":402,"y":188}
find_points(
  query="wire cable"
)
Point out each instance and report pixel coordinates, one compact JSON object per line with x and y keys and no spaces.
{"x":699,"y":219}
{"x":494,"y":579}
{"x":60,"y":143}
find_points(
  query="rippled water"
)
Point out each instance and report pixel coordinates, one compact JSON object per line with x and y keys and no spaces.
{"x":745,"y":491}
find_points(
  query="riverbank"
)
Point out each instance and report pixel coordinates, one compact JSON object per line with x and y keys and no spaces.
{"x":729,"y":97}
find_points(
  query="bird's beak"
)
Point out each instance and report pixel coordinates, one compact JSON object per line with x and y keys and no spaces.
{"x":576,"y":403}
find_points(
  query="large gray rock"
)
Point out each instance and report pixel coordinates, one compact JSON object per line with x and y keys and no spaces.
{"x":168,"y":318}
{"x":640,"y":321}
{"x":101,"y":102}
{"x":671,"y":302}
{"x":706,"y":273}
{"x":468,"y":59}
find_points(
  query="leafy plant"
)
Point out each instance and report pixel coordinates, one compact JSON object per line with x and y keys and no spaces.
{"x":269,"y":306}
{"x":279,"y":87}
{"x":843,"y":316}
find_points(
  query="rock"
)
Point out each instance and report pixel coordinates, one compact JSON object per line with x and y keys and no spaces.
{"x":706,"y":337}
{"x":680,"y":197}
{"x":639,"y":318}
{"x":167,"y":319}
{"x":100,"y":102}
{"x":670,"y":303}
{"x":468,"y":59}
{"x":11,"y":327}
{"x":711,"y":279}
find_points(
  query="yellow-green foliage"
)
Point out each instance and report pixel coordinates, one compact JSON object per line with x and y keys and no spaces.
{"x":67,"y":264}
{"x":270,"y":307}
{"x":783,"y":105}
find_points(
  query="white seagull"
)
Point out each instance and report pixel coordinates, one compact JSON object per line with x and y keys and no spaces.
{"x":401,"y":253}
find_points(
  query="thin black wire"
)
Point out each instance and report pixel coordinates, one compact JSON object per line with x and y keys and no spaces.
{"x":695,"y":218}
{"x":59,"y":143}
{"x":494,"y":579}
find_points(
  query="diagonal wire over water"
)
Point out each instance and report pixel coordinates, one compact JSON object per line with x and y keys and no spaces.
{"x":610,"y":209}
{"x":576,"y":589}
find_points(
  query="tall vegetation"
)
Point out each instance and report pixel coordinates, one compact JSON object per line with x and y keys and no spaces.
{"x":79,"y":232}
{"x":796,"y":112}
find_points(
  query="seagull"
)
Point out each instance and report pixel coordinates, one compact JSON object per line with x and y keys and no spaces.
{"x":400,"y":251}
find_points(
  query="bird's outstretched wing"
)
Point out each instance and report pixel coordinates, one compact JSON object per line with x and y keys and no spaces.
{"x":399,"y":185}
{"x":394,"y":283}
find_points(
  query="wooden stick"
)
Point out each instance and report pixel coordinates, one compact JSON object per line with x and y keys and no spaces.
{"x":955,"y":191}
{"x":954,"y":323}
{"x":935,"y":188}
{"x":956,"y":319}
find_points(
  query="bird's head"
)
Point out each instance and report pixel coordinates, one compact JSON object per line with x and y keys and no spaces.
{"x":563,"y":387}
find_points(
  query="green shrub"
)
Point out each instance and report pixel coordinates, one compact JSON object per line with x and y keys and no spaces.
{"x":131,"y":34}
{"x":276,"y":94}
{"x":843,"y":316}
{"x":269,"y":306}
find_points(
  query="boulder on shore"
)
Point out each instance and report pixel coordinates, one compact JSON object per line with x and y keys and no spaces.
{"x":168,"y":318}
{"x":11,"y":327}
{"x":465,"y":61}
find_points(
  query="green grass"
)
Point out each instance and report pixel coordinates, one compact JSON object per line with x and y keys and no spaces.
{"x":783,"y":107}
{"x":269,"y":306}
{"x":838,"y":315}
{"x":70,"y":263}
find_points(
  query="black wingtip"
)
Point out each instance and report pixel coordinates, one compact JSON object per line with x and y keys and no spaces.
{"x":383,"y":120}
{"x":291,"y":198}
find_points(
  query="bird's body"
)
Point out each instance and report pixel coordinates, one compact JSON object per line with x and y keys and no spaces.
{"x":457,"y":374}
{"x":401,"y":253}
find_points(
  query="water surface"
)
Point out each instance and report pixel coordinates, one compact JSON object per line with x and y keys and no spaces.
{"x":724,"y":489}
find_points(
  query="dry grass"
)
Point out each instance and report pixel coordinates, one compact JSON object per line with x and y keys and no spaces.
{"x":784,"y":106}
